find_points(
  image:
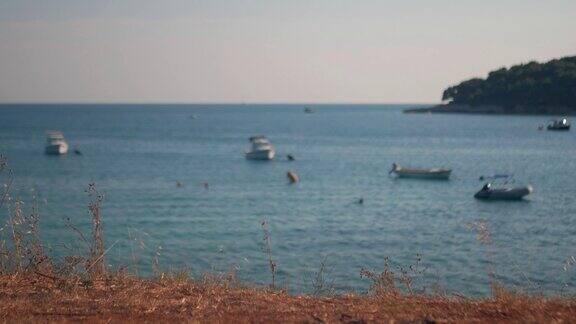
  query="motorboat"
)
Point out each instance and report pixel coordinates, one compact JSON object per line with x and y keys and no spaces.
{"x":55,"y":143}
{"x":261,"y":149}
{"x":561,"y":124}
{"x":488,"y":192}
{"x":434,"y":173}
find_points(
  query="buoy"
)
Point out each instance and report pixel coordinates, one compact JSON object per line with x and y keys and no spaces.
{"x":290,"y":157}
{"x":292,"y":176}
{"x":178,"y":184}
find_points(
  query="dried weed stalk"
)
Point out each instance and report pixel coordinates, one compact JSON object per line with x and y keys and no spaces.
{"x":25,"y":252}
{"x":96,"y":266}
{"x":382,"y":283}
{"x":267,"y":246}
{"x":484,"y":237}
{"x":321,"y":285}
{"x":387,"y":282}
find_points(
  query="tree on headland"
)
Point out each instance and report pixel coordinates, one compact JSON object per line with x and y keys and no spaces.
{"x":531,"y":84}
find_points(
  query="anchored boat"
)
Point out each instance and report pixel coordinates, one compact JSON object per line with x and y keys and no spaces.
{"x":561,"y":124}
{"x":261,"y":149}
{"x":498,"y":188}
{"x":55,"y":143}
{"x":434,"y":173}
{"x":504,"y":193}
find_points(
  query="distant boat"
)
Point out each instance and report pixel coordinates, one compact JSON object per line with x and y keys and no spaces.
{"x":261,"y":149}
{"x":55,"y":143}
{"x":434,"y":173}
{"x":308,"y":110}
{"x":561,"y":124}
{"x":488,"y":192}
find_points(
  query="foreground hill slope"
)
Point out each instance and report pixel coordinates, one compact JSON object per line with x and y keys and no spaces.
{"x":121,"y":299}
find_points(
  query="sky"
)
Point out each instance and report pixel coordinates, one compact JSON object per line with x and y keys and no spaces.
{"x":268,"y":51}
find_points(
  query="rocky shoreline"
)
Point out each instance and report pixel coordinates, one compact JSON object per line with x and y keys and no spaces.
{"x":494,"y":110}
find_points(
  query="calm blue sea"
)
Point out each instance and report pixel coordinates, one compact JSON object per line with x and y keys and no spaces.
{"x":136,"y":154}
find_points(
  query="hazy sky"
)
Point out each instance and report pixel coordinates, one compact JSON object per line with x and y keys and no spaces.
{"x":270,"y":50}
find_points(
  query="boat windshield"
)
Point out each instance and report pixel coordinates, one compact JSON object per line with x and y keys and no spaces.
{"x":261,"y":145}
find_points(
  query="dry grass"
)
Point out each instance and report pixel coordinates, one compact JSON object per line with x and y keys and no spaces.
{"x":178,"y":298}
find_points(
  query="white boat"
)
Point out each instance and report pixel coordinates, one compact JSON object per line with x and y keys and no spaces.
{"x":561,"y":124}
{"x":503,"y":193}
{"x":261,"y":149}
{"x":434,"y":173}
{"x":55,"y":143}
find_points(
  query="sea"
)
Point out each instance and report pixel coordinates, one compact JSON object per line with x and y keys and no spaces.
{"x":179,"y":195}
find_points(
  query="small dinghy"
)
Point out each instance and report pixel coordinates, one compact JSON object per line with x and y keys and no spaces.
{"x":434,"y":173}
{"x":504,"y":193}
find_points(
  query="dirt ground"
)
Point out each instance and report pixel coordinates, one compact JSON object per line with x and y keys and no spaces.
{"x":129,"y":299}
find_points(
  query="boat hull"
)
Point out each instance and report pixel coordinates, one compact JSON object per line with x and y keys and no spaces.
{"x":262,"y":155}
{"x":504,"y":194}
{"x":559,"y":128}
{"x":57,"y":149}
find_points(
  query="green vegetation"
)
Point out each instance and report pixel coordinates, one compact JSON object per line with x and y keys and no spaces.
{"x":532,"y":84}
